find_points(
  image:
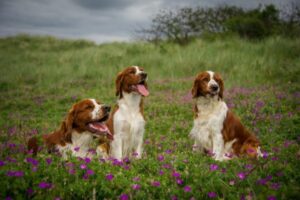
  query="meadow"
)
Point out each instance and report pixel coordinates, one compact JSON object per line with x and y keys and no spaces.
{"x":41,"y":77}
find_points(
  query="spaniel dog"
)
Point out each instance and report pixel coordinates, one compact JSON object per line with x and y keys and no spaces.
{"x":126,"y":121}
{"x":216,"y":129}
{"x":84,"y":121}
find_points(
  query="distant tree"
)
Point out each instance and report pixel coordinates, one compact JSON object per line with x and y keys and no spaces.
{"x":290,"y":24}
{"x":182,"y":25}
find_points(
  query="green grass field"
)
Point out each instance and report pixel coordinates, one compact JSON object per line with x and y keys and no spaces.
{"x":41,"y":77}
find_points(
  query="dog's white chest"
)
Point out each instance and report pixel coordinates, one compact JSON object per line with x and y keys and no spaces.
{"x":209,"y":122}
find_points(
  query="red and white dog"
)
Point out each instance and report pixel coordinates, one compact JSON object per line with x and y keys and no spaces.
{"x":84,"y":121}
{"x":216,"y":129}
{"x":126,"y":121}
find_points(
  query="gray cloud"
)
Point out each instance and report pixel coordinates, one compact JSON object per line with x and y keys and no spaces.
{"x":97,"y":20}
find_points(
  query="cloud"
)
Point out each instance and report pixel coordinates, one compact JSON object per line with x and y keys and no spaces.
{"x":97,"y":20}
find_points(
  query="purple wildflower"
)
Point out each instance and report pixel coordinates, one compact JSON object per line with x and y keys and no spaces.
{"x":174,"y":197}
{"x":92,"y":151}
{"x":34,"y":168}
{"x":12,"y":160}
{"x":48,"y":161}
{"x":15,"y":173}
{"x":176,"y":174}
{"x":117,"y":162}
{"x":229,"y":155}
{"x":274,"y":158}
{"x":12,"y":145}
{"x":83,"y":166}
{"x":136,"y":179}
{"x":279,"y":174}
{"x":271,"y":198}
{"x":109,"y":177}
{"x":155,"y":183}
{"x":126,"y":167}
{"x":223,"y":170}
{"x":213,"y":167}
{"x":126,"y":160}
{"x":87,"y":160}
{"x":124,"y":197}
{"x":248,"y":166}
{"x":287,"y":143}
{"x":45,"y":185}
{"x":72,"y":171}
{"x":187,"y":188}
{"x":212,"y":195}
{"x":90,"y":172}
{"x":134,"y":154}
{"x":160,"y":157}
{"x":241,"y":175}
{"x":32,"y":161}
{"x":275,"y":186}
{"x":76,"y":149}
{"x":12,"y":130}
{"x":136,"y":186}
{"x":265,"y":154}
{"x":179,"y":181}
{"x":167,"y":166}
{"x":169,"y":151}
{"x":2,"y":163}
{"x":85,"y":176}
{"x":161,"y":172}
{"x":8,"y":198}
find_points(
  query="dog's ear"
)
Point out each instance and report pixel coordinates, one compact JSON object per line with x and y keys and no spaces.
{"x":67,"y":125}
{"x":221,"y":84}
{"x":195,"y":89}
{"x":119,"y":84}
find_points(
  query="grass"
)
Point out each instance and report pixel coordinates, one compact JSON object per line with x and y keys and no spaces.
{"x":41,"y":77}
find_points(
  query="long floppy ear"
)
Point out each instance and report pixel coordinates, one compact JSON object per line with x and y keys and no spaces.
{"x":119,"y":85}
{"x":195,"y":92}
{"x":67,"y":125}
{"x":221,"y":84}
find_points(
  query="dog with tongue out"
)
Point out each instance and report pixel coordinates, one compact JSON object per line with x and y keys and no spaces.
{"x":126,"y":122}
{"x":84,"y":121}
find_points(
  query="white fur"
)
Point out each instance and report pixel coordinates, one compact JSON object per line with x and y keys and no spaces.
{"x":212,"y":81}
{"x":81,"y":140}
{"x":97,"y":110}
{"x":129,"y":128}
{"x":208,"y":126}
{"x":137,"y":70}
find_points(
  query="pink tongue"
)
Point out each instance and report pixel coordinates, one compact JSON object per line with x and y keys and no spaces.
{"x":101,"y":127}
{"x":142,"y":90}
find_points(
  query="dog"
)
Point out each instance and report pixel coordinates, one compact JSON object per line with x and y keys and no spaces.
{"x":84,"y":121}
{"x":216,"y":129}
{"x":126,"y":122}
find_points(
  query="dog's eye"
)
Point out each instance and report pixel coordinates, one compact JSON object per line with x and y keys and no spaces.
{"x":89,"y":107}
{"x":205,"y":79}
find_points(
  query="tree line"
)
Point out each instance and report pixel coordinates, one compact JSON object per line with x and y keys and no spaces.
{"x":185,"y":24}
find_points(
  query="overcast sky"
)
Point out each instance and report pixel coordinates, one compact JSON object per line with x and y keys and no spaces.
{"x":97,"y":20}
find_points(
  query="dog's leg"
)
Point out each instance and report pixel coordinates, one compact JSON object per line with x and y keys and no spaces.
{"x":218,"y":146}
{"x":119,"y":145}
{"x":116,"y":147}
{"x":138,"y":148}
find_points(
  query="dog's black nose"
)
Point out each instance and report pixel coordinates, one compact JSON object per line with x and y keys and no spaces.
{"x":144,"y":75}
{"x":106,"y":108}
{"x":214,"y":88}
